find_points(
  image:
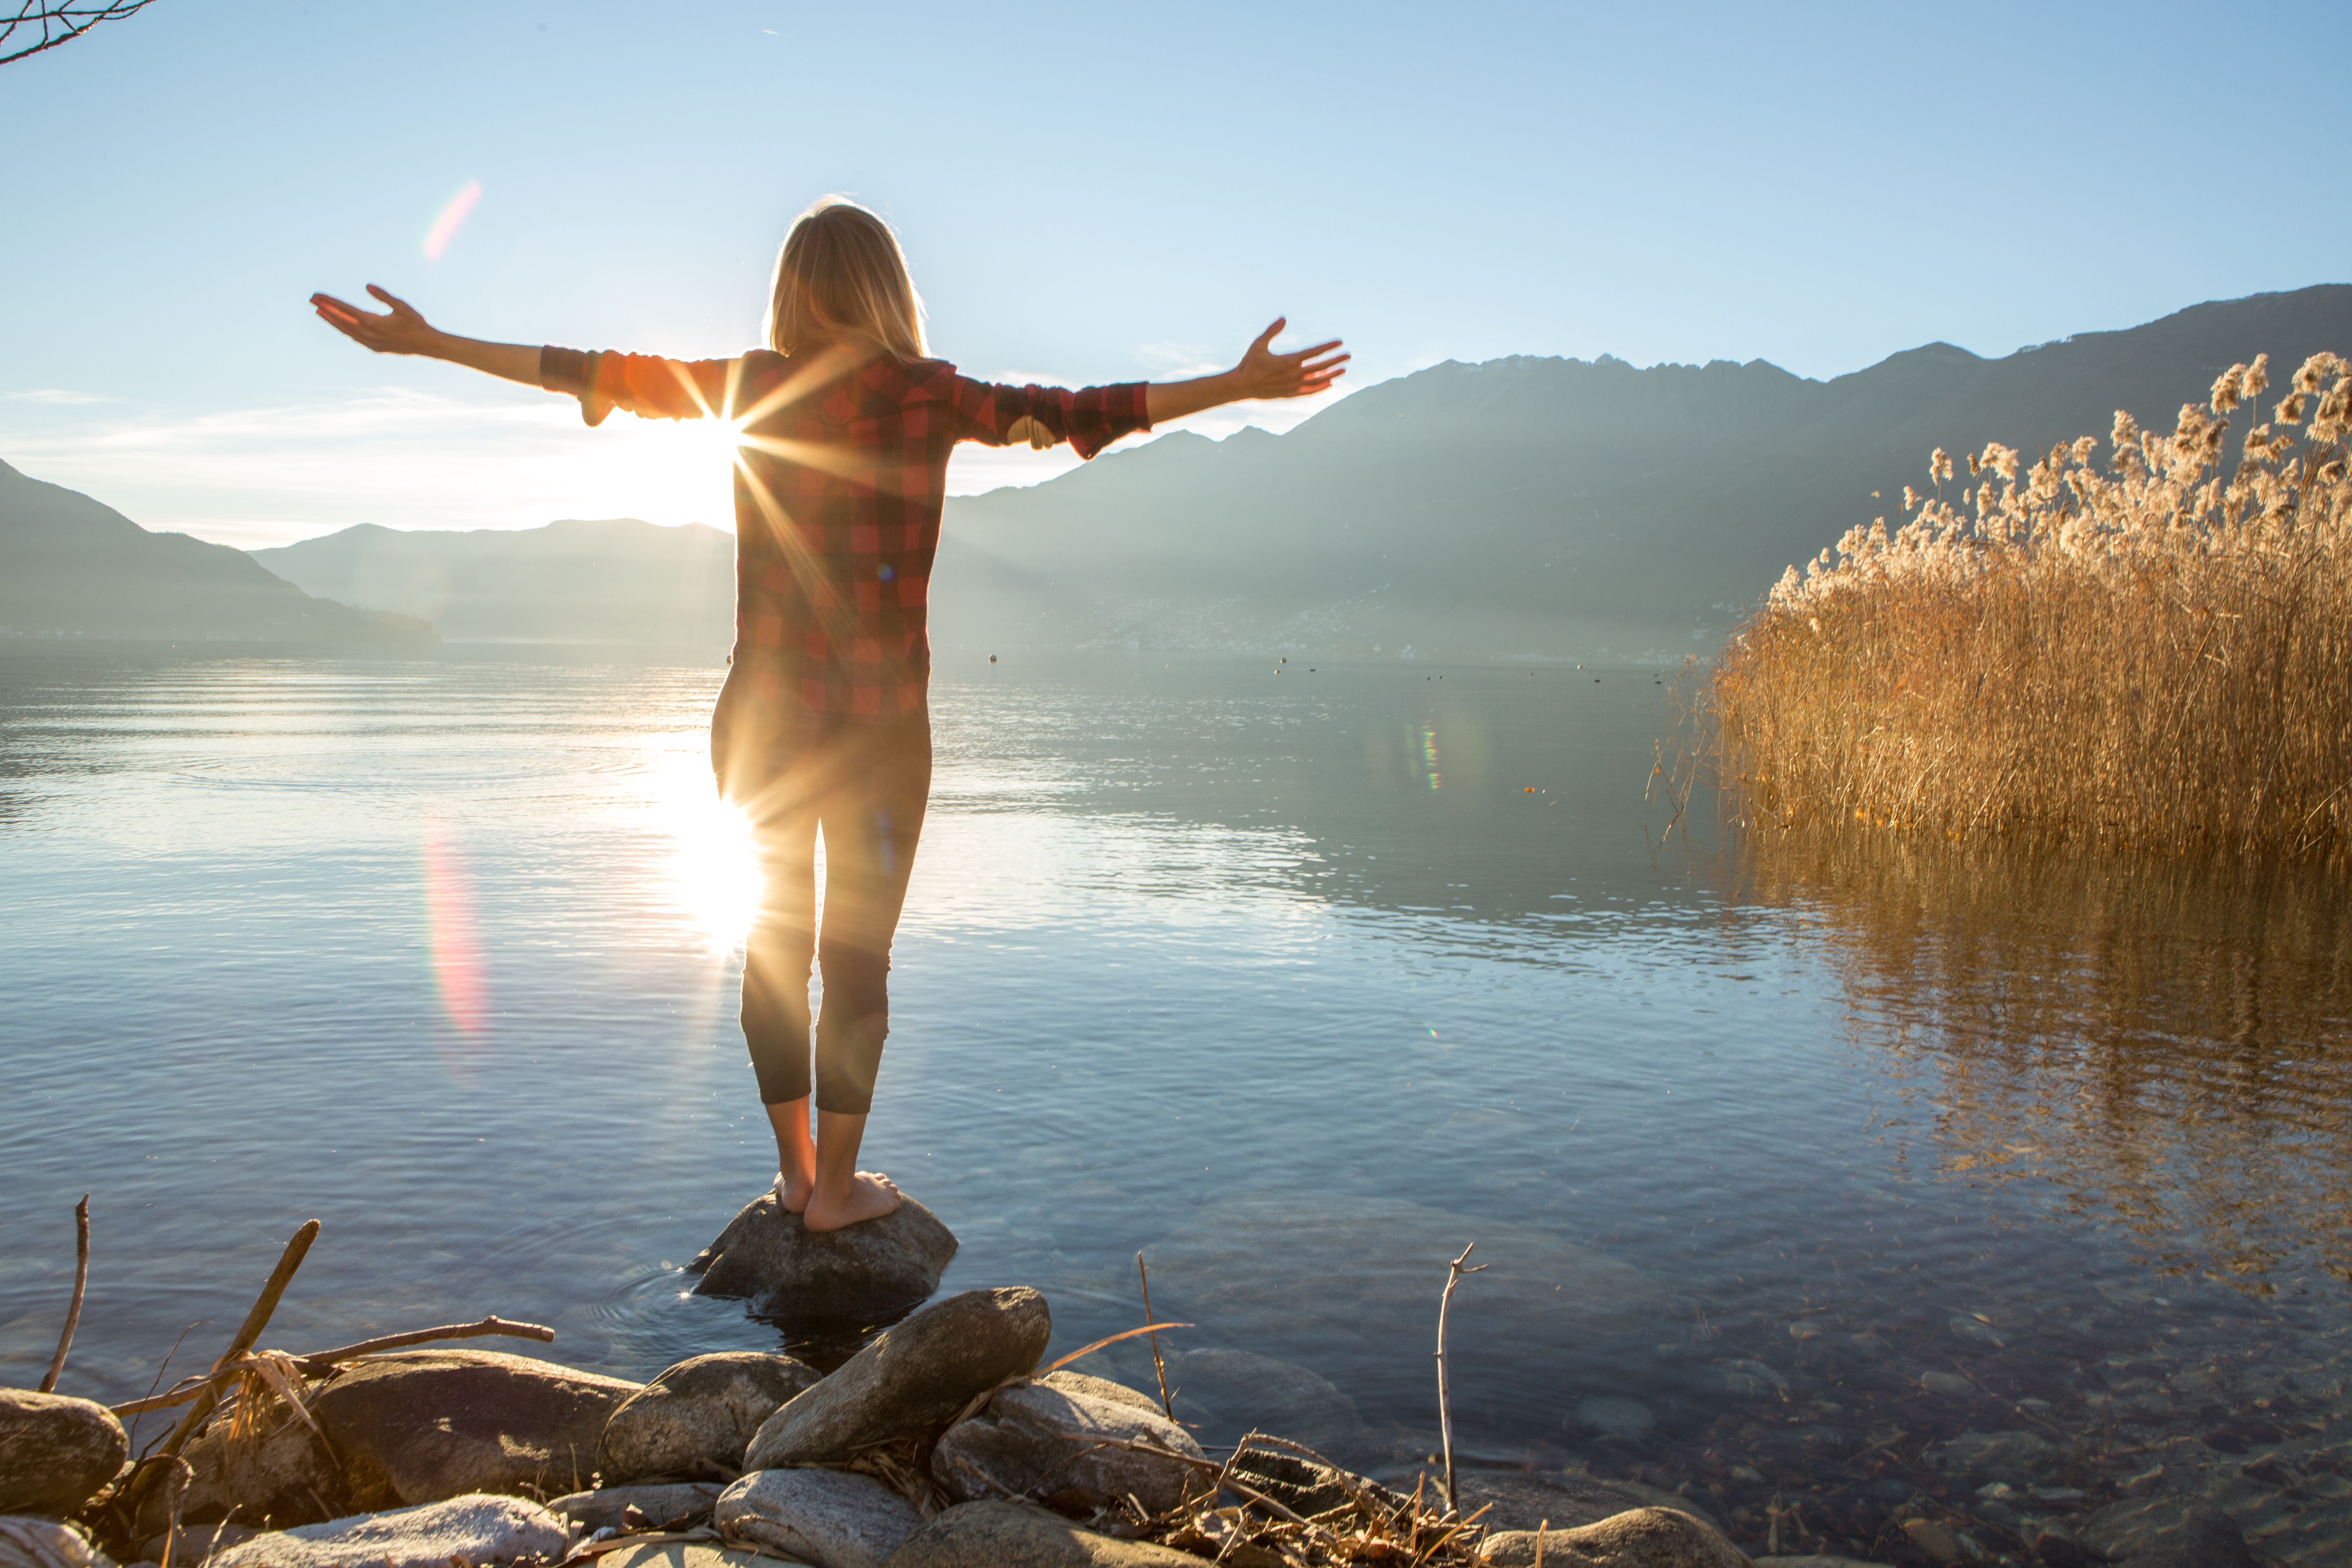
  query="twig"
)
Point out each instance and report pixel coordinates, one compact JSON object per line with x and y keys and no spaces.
{"x":1252,"y":1493}
{"x":82,"y":1283}
{"x":318,"y":1363}
{"x":1158,"y":1365}
{"x":1111,"y":1340}
{"x":1453,"y":1273}
{"x":254,"y":1321}
{"x":321,"y":1363}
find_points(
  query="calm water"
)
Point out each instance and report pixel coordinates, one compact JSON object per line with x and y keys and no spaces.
{"x":1285,"y":979}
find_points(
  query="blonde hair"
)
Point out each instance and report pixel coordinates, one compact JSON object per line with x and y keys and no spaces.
{"x":841,"y":273}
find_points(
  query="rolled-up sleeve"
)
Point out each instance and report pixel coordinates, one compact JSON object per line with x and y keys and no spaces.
{"x":1089,"y":418}
{"x":646,"y":385}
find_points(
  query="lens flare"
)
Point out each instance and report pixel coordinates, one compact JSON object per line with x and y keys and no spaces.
{"x":460,"y":973}
{"x":453,"y":216}
{"x":713,"y":874}
{"x":1429,"y":757}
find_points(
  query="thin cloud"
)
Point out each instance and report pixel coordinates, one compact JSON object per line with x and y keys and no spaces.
{"x":56,"y":394}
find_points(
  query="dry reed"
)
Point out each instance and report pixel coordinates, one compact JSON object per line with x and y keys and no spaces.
{"x":2147,"y":653}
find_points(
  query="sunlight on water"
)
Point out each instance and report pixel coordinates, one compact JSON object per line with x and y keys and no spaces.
{"x":712,"y":877}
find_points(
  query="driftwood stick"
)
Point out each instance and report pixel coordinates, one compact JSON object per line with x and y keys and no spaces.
{"x":1453,"y":1273}
{"x":1158,"y":1365}
{"x":81,"y":1284}
{"x":320,"y":1363}
{"x":254,"y":1321}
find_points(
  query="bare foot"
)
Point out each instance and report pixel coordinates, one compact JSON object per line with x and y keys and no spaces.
{"x":793,"y":1190}
{"x":871,"y":1196}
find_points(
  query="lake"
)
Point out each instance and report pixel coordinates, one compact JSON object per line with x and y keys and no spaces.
{"x":1796,"y":1162}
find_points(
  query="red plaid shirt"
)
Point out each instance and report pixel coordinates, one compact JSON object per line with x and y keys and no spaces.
{"x":841,"y":472}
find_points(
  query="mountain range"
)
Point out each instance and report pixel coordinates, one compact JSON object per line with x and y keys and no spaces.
{"x":615,"y":581}
{"x":75,"y":567}
{"x":1523,"y":507}
{"x":1547,"y":506}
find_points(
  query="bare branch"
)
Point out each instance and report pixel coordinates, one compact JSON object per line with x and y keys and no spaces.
{"x":58,"y":21}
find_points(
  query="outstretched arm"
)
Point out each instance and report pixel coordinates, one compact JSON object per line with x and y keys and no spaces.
{"x":403,"y":331}
{"x":1262,"y":373}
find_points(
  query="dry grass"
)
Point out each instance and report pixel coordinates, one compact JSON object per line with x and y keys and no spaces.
{"x":2151,"y":651}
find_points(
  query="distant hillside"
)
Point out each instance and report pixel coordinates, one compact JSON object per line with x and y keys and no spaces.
{"x":1543,"y":506}
{"x":73,"y":567}
{"x":618,"y":580}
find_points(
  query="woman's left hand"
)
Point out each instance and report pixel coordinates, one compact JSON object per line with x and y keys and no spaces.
{"x":1265,"y":374}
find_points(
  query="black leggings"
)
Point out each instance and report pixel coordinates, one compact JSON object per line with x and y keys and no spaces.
{"x":864,"y":786}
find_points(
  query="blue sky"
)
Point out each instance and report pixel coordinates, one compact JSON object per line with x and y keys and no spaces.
{"x":1090,"y":194}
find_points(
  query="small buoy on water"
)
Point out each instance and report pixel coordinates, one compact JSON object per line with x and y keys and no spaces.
{"x":991,"y":658}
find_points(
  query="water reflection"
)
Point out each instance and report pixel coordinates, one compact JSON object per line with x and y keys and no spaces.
{"x":2166,"y":1045}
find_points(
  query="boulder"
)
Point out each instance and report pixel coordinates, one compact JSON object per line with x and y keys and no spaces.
{"x":1033,"y":1441}
{"x":701,"y":1413}
{"x":270,"y":1482}
{"x":683,"y":1555}
{"x":1093,"y":1387}
{"x":833,"y":1519}
{"x":1235,"y":1390}
{"x":2165,"y":1533}
{"x":917,"y":1374}
{"x":679,"y":1507}
{"x":1997,"y":1456}
{"x":28,"y":1542}
{"x":1569,"y":1499}
{"x":420,"y":1425}
{"x":1642,"y":1538}
{"x":867,"y":1273}
{"x":193,"y":1544}
{"x":480,"y":1530}
{"x":56,"y":1453}
{"x":1305,"y":1487}
{"x":1815,"y":1560}
{"x":1020,"y":1535}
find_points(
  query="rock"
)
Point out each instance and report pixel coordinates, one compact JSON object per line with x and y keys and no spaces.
{"x":1017,"y":1443}
{"x":860,"y":1274}
{"x":833,"y":1519}
{"x":1815,"y":1560}
{"x":1568,"y":1499}
{"x":1235,"y":1390}
{"x":56,"y":1453}
{"x":1642,"y":1538}
{"x":1614,"y":1418}
{"x":1093,"y":1387}
{"x":1304,"y":1487}
{"x":271,"y":1483}
{"x":481,"y":1530}
{"x":1019,"y":1535}
{"x":1975,"y":1331}
{"x":2165,"y":1533}
{"x":27,"y":1543}
{"x":1950,"y":1384}
{"x":919,"y":1373}
{"x":1753,"y":1380}
{"x":1935,"y":1540}
{"x":700,"y":1414}
{"x":679,"y":1507}
{"x":1997,"y":1455}
{"x":195,"y":1542}
{"x":682,"y":1554}
{"x":420,"y":1425}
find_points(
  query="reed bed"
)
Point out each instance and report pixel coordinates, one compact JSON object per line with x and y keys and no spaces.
{"x":2148,"y":648}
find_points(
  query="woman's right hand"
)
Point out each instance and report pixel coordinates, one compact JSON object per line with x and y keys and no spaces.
{"x":403,"y":332}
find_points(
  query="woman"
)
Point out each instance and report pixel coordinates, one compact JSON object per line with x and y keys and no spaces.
{"x":822,"y":725}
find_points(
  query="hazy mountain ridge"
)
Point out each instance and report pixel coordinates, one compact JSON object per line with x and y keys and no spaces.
{"x":71,"y":566}
{"x":616,"y":580}
{"x":1547,"y":506}
{"x":1525,"y":507}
